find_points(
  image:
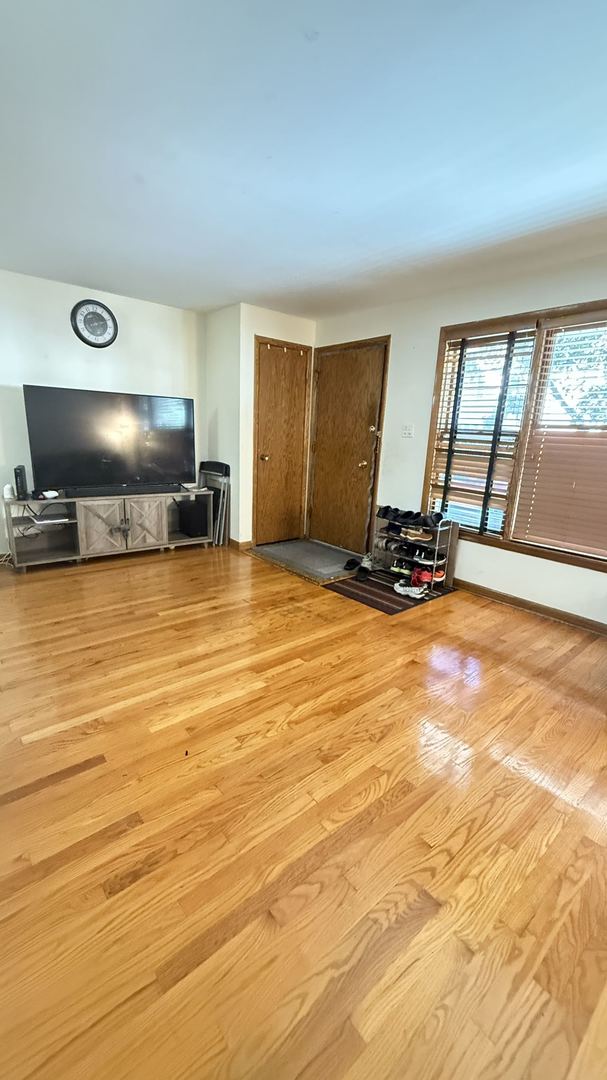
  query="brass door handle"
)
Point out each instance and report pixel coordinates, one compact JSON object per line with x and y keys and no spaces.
{"x":363,"y":464}
{"x":264,"y":457}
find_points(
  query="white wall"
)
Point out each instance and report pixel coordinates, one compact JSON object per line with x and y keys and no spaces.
{"x":166,"y":350}
{"x":414,"y":327}
{"x":222,"y":398}
{"x":156,"y":352}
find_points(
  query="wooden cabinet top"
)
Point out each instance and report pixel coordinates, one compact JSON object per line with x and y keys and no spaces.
{"x":105,"y":498}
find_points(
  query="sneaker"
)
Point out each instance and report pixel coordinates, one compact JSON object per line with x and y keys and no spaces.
{"x":399,"y":567}
{"x":421,"y":577}
{"x":423,"y":556}
{"x":426,"y":556}
{"x":403,"y":589}
{"x":421,"y":535}
{"x":367,"y":562}
{"x":439,"y":576}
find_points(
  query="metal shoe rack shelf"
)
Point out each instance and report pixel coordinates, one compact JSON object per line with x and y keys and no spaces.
{"x":443,"y":544}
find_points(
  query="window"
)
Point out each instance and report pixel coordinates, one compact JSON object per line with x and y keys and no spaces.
{"x":519,"y":441}
{"x":562,"y":494}
{"x":481,"y":407}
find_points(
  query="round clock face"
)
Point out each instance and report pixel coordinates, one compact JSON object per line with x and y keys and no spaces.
{"x":94,"y":323}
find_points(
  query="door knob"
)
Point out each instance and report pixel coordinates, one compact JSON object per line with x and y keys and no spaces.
{"x":363,"y":464}
{"x":264,"y":457}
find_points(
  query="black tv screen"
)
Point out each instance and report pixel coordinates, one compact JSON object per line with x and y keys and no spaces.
{"x":86,"y":438}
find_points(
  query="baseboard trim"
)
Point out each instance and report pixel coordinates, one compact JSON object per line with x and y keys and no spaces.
{"x":241,"y":545}
{"x":530,"y":605}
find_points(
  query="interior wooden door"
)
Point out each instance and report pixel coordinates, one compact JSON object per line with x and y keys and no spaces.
{"x":348,"y":401}
{"x":281,"y":406}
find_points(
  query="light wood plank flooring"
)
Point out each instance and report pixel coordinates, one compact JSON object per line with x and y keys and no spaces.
{"x":253,"y":829}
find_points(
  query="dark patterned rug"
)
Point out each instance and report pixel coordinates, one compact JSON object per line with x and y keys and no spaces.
{"x":378,"y":592}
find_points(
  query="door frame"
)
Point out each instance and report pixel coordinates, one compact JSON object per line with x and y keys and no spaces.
{"x":260,"y":340}
{"x":385,"y":340}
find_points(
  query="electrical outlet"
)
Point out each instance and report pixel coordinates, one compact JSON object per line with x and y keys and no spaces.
{"x":407,"y":431}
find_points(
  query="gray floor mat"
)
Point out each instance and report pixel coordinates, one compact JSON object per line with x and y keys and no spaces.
{"x":311,"y":558}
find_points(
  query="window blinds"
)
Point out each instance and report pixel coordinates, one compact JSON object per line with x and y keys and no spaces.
{"x":482,"y":397}
{"x":562,"y":490}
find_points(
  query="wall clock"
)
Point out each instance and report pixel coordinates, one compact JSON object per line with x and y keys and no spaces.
{"x":94,"y":323}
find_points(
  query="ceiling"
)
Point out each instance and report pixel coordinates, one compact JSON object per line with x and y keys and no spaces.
{"x":310,"y":157}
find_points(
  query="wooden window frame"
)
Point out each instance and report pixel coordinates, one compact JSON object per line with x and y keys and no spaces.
{"x":542,"y":320}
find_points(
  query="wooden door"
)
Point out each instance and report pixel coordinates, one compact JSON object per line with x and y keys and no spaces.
{"x":146,"y":520}
{"x":348,"y":401}
{"x":282,"y":379}
{"x":100,"y":526}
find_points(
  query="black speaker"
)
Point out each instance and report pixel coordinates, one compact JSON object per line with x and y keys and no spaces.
{"x":193,"y":517}
{"x":20,"y":482}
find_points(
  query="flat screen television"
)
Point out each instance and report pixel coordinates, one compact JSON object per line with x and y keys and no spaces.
{"x":83,"y":439}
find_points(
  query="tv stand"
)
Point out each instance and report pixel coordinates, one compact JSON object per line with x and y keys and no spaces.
{"x":75,"y":529}
{"x":103,"y":490}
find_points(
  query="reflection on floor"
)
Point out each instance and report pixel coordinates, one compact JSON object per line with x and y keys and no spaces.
{"x":250,"y":830}
{"x":310,"y":558}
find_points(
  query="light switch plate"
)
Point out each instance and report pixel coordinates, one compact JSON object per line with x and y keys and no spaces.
{"x":407,"y":431}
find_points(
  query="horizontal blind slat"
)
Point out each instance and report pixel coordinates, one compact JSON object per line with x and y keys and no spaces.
{"x":463,"y":444}
{"x":562,"y":496}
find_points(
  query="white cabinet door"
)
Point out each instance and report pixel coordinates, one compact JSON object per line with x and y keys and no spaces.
{"x":100,"y":524}
{"x":147,"y":522}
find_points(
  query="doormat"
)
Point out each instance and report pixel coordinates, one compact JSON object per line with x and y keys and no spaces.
{"x":377,"y":592}
{"x":310,"y":559}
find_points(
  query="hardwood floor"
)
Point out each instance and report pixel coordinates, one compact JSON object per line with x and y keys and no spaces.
{"x":253,"y":829}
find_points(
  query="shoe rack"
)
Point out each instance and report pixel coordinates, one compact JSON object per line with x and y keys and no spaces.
{"x":436,"y":553}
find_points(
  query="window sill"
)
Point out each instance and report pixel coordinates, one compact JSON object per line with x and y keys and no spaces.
{"x":568,"y":557}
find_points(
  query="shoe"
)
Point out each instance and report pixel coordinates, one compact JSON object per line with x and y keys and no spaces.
{"x":381,"y":542}
{"x":423,"y":556}
{"x":421,"y":577}
{"x":409,"y":518}
{"x":439,"y":576}
{"x":400,"y":568}
{"x":426,"y":556}
{"x":366,"y":562}
{"x":432,"y":521}
{"x":403,"y":589}
{"x":352,"y":564}
{"x":421,"y":535}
